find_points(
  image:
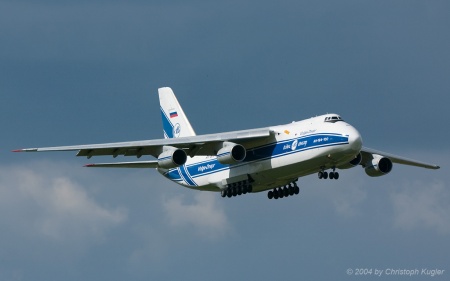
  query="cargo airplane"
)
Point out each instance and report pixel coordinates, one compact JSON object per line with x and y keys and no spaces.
{"x":248,"y":161}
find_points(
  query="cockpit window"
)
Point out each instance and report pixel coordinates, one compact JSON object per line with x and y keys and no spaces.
{"x":333,"y":119}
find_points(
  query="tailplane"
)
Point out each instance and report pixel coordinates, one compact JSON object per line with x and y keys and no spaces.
{"x":175,"y":122}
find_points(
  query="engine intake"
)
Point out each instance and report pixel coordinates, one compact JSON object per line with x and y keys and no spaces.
{"x":231,"y":153}
{"x":172,"y":157}
{"x":378,"y":166}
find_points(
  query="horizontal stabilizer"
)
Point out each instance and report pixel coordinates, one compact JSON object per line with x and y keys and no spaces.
{"x":136,"y":164}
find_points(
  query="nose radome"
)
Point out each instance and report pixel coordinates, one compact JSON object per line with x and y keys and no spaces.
{"x":354,"y":139}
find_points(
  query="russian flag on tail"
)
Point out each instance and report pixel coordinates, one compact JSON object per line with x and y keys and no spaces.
{"x":173,"y":114}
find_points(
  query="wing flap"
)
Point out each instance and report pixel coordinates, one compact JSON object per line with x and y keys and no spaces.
{"x":368,"y":152}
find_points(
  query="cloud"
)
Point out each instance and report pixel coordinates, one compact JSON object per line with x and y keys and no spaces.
{"x":204,"y":215}
{"x":420,"y":205}
{"x":347,"y":204}
{"x":37,"y":200}
{"x":68,"y":208}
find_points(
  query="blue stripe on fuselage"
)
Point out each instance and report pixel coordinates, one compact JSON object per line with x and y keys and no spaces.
{"x":173,"y":174}
{"x":265,"y":152}
{"x":186,"y":176}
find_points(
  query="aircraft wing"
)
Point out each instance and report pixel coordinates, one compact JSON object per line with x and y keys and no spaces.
{"x":195,"y":145}
{"x":135,"y":164}
{"x":367,"y":154}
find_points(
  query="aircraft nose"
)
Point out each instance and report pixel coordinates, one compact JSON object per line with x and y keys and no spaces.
{"x":354,"y":139}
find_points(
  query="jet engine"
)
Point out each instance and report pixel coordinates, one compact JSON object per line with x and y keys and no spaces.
{"x":172,"y":157}
{"x":231,"y":153}
{"x":378,"y":166}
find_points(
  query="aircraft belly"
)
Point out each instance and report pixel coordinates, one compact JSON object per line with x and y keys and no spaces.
{"x":288,"y":168}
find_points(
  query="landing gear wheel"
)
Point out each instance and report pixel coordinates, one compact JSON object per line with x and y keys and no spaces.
{"x":223,"y":193}
{"x":336,"y":175}
{"x":291,"y":190}
{"x":331,"y":175}
{"x":320,"y":175}
{"x":286,"y":192}
{"x":275,"y":194}
{"x":325,"y":175}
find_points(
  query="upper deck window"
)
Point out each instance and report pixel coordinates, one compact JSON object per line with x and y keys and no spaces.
{"x":333,"y":119}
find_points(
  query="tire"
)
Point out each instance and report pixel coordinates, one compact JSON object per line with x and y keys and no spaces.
{"x":291,"y":191}
{"x":275,"y":194}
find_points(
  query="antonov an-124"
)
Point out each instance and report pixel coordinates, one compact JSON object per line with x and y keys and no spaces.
{"x":248,"y":161}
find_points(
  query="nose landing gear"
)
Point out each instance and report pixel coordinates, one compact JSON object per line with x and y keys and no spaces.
{"x":324,"y":175}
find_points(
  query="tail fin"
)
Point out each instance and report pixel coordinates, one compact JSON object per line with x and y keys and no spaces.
{"x":175,"y":122}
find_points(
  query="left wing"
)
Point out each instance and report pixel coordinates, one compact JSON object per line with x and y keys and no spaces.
{"x":195,"y":145}
{"x":136,"y":164}
{"x":367,"y":154}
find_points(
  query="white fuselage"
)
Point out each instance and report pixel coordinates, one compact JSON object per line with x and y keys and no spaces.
{"x":293,"y":150}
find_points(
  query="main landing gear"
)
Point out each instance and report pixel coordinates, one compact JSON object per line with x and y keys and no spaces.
{"x":281,"y":192}
{"x":235,"y":189}
{"x":332,"y":175}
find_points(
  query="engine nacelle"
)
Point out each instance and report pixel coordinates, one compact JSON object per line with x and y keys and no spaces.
{"x":172,"y":157}
{"x":355,"y":162}
{"x":378,"y":166}
{"x":231,"y":153}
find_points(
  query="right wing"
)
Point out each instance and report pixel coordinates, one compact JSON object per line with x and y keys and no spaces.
{"x":367,"y":154}
{"x":195,"y":145}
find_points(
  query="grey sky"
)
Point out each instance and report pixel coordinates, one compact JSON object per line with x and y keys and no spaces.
{"x":88,"y":72}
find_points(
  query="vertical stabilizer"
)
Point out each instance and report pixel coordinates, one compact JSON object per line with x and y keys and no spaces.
{"x":175,"y":122}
